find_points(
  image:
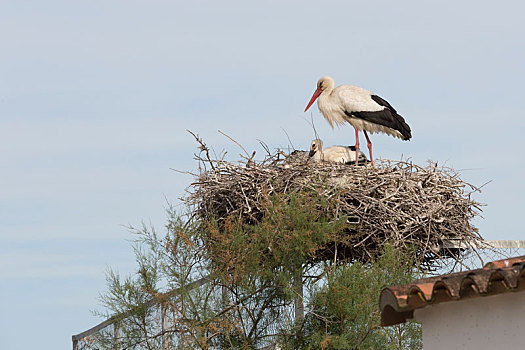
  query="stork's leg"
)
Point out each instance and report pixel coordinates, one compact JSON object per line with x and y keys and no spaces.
{"x":369,"y":147}
{"x":356,"y":146}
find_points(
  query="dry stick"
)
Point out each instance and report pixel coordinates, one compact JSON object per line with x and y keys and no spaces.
{"x":237,"y":143}
{"x":265,"y":147}
{"x":203,"y":148}
{"x":184,"y":172}
{"x":288,"y":137}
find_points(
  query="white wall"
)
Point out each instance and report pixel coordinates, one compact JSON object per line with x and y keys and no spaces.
{"x":493,"y":322}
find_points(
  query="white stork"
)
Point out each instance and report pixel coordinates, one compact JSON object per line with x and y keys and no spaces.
{"x":361,"y":108}
{"x":337,"y":154}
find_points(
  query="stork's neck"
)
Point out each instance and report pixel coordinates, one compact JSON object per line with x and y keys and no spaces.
{"x":330,"y":108}
{"x":327,"y":92}
{"x":326,"y":95}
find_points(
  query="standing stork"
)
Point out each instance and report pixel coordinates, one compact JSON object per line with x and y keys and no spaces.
{"x":361,"y":108}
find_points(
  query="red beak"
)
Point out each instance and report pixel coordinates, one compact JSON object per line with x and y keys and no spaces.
{"x":314,"y":97}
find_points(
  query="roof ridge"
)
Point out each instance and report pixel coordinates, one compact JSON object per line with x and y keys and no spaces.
{"x":398,"y":303}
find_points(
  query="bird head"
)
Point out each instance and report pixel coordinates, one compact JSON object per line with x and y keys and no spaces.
{"x":325,"y":83}
{"x":315,"y":146}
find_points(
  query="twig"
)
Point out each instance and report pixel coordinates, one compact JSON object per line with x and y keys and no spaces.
{"x":203,"y":147}
{"x":237,"y":143}
{"x":288,"y":137}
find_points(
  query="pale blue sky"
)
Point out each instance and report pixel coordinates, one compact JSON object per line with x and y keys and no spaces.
{"x":95,"y":98}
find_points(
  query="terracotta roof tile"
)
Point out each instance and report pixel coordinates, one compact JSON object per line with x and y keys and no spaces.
{"x":399,"y":302}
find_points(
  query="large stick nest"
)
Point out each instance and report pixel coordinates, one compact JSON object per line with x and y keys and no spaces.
{"x":399,"y":202}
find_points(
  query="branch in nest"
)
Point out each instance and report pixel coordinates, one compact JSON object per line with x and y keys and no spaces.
{"x":203,"y":148}
{"x":237,"y":143}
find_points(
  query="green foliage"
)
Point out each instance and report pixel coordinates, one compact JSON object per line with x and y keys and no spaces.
{"x":344,"y":311}
{"x":250,"y":268}
{"x":293,"y":228}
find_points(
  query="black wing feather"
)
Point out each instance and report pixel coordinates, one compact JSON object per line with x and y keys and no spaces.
{"x":383,"y":103}
{"x":387,"y":117}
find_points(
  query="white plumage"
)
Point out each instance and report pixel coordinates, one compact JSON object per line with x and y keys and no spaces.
{"x":338,"y":154}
